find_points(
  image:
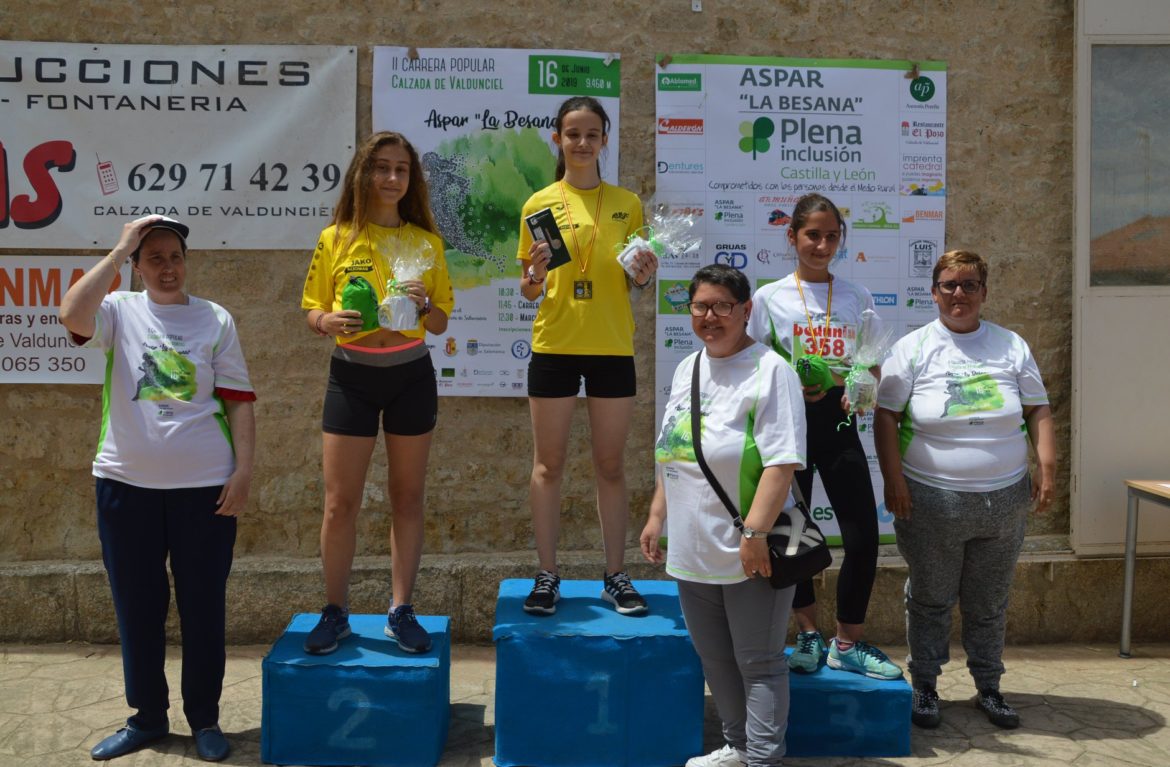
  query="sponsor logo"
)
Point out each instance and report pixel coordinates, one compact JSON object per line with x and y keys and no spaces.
{"x":681,"y":81}
{"x":918,"y":298}
{"x":448,"y":372}
{"x":620,"y":215}
{"x":521,"y":349}
{"x":729,"y":212}
{"x":684,"y":210}
{"x":754,"y":135}
{"x":472,"y":347}
{"x":923,"y":254}
{"x":766,"y":256}
{"x":777,"y":217}
{"x":905,"y":128}
{"x":876,"y":215}
{"x":923,"y":215}
{"x":680,"y":166}
{"x":451,"y":346}
{"x":517,"y":384}
{"x":920,"y":132}
{"x":922,"y":89}
{"x":736,"y":259}
{"x":477,"y":372}
{"x":680,"y":126}
{"x":885,"y":299}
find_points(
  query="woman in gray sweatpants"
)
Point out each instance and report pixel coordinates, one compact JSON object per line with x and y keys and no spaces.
{"x":751,"y":433}
{"x":959,"y":403}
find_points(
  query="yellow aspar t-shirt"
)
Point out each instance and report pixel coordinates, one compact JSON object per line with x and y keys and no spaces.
{"x":371,"y":256}
{"x":603,"y":324}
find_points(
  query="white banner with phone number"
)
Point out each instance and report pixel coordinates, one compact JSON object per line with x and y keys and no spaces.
{"x":247,"y":144}
{"x":34,"y":346}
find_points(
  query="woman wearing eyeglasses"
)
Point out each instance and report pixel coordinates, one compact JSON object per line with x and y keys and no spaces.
{"x":813,"y":316}
{"x":958,"y":404}
{"x":753,"y":441}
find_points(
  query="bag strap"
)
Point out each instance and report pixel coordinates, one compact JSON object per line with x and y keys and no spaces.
{"x":697,"y":443}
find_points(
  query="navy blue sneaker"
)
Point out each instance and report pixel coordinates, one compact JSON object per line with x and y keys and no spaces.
{"x":211,"y":745}
{"x":332,"y":628}
{"x":125,"y":740}
{"x":401,"y":624}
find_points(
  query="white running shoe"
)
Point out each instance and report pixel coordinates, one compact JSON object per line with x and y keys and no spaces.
{"x":723,"y":757}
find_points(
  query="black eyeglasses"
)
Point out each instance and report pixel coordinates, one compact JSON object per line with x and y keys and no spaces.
{"x":721,"y":308}
{"x":950,"y":286}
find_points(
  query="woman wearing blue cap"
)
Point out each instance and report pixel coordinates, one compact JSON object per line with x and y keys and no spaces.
{"x":173,"y":469}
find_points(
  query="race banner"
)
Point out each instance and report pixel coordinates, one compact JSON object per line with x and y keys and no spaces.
{"x":246,"y":144}
{"x":34,"y":346}
{"x":482,"y":120}
{"x":740,"y":139}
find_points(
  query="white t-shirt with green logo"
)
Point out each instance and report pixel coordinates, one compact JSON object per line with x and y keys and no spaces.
{"x":778,"y":319}
{"x":963,"y":395}
{"x":752,"y":417}
{"x":164,"y":425}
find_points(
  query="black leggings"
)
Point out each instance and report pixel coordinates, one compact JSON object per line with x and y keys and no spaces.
{"x":840,"y":460}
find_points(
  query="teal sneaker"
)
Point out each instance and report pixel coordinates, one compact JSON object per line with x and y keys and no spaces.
{"x":863,"y":658}
{"x":808,"y":654}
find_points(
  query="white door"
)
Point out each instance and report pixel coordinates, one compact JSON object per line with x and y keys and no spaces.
{"x":1121,"y":309}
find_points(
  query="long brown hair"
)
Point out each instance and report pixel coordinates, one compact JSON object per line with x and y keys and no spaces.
{"x":352,"y":211}
{"x":586,"y":104}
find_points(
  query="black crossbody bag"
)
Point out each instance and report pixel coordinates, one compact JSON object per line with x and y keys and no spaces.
{"x":796,"y":545}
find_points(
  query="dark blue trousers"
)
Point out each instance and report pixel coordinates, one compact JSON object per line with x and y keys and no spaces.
{"x":139,"y":528}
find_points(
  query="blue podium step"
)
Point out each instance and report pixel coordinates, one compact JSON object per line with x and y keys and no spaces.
{"x":368,"y":703}
{"x":838,"y":713}
{"x":589,"y":687}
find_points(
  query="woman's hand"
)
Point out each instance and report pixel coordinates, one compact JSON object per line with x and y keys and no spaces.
{"x":897,"y":495}
{"x":814,"y":393}
{"x":343,"y":323}
{"x":645,"y":265}
{"x":648,"y":541}
{"x":234,"y":495}
{"x":1042,"y":490}
{"x":416,"y":291}
{"x":539,"y":255}
{"x":753,"y":555}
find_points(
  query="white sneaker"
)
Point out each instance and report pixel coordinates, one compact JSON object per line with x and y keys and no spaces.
{"x":724,"y":757}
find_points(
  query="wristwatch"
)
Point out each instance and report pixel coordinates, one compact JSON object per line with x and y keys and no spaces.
{"x":532,"y":277}
{"x":750,"y":533}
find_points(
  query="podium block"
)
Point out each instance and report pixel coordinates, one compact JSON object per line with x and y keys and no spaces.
{"x":368,"y":703}
{"x":838,"y":713}
{"x":588,"y":686}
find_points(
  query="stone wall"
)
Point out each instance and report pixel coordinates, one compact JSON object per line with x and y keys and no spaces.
{"x":1010,"y":178}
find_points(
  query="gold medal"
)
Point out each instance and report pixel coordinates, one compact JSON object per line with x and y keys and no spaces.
{"x":583,"y":290}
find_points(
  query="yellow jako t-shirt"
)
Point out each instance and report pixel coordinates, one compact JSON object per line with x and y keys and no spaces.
{"x":568,"y":322}
{"x":371,"y":256}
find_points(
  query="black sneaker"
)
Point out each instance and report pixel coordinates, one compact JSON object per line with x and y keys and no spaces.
{"x":401,"y":624}
{"x":333,"y":627}
{"x":998,"y":711}
{"x":545,"y":594}
{"x":924,"y":708}
{"x":622,"y":595}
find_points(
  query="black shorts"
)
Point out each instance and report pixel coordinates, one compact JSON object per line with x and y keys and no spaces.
{"x":559,"y":375}
{"x":406,"y":395}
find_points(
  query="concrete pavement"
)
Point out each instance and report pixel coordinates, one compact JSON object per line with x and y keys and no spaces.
{"x":1081,"y":705}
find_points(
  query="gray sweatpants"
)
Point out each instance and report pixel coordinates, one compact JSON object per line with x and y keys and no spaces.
{"x":738,"y":631}
{"x":960,"y":547}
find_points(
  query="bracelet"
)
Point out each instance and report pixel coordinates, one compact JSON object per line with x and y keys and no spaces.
{"x":642,"y":286}
{"x":532,"y":278}
{"x":320,"y":317}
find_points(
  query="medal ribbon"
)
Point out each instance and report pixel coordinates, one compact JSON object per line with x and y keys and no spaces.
{"x":584,"y":257}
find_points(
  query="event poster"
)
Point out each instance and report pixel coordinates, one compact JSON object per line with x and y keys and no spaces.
{"x":740,"y":139}
{"x":482,"y":120}
{"x":246,"y":144}
{"x":34,"y":346}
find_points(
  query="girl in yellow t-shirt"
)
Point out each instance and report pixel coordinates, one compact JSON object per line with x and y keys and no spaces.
{"x":382,"y":218}
{"x":583,"y":329}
